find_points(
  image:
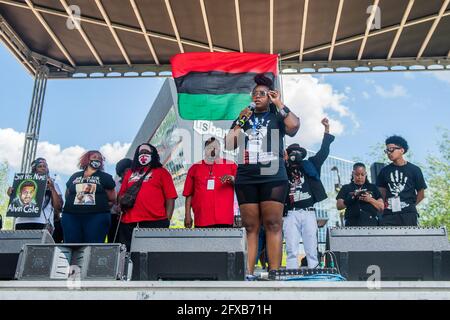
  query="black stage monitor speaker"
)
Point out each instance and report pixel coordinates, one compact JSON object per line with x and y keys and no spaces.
{"x":189,"y":254}
{"x":397,"y":253}
{"x":375,"y":169}
{"x":72,"y":261}
{"x":11,"y":242}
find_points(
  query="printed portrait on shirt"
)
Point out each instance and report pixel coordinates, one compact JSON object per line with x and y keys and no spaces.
{"x":85,"y":194}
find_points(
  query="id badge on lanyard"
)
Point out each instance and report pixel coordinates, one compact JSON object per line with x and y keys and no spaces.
{"x":210,"y":183}
{"x":396,"y":204}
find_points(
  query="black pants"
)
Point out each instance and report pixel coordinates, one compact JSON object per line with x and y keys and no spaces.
{"x":113,"y":228}
{"x":30,"y":226}
{"x":58,"y":235}
{"x":126,"y":229}
{"x":399,"y":219}
{"x":363,"y":220}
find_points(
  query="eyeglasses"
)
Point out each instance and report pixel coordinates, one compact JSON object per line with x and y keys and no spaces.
{"x":260,"y":93}
{"x":390,"y":150}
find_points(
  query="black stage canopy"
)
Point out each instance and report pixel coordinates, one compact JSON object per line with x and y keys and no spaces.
{"x":138,"y":37}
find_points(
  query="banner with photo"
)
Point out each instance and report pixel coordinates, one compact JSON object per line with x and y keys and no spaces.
{"x":27,"y":197}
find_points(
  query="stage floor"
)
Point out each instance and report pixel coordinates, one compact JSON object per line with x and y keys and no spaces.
{"x":222,"y":290}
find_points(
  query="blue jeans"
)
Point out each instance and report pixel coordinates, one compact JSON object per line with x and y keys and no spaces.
{"x":85,"y":227}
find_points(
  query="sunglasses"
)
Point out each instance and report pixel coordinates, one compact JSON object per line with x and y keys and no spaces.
{"x":390,"y":150}
{"x":260,"y":93}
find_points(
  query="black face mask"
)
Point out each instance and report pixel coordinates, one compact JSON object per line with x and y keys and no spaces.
{"x":295,"y":158}
{"x":95,"y":164}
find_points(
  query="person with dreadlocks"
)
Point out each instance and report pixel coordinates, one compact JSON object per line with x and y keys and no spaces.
{"x":305,"y":189}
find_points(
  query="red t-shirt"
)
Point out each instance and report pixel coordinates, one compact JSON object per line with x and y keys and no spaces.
{"x":211,"y":206}
{"x":150,"y":201}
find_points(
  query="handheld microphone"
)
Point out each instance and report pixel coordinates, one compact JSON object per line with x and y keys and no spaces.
{"x":244,"y":119}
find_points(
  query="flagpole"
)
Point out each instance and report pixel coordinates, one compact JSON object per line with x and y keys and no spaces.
{"x":280,"y":81}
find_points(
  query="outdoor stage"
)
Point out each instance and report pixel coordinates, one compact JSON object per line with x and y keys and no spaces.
{"x":224,"y":290}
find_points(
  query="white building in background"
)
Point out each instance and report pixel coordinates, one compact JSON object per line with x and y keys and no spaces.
{"x":180,"y":144}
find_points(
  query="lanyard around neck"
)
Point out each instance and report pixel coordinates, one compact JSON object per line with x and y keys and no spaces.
{"x":210,"y":168}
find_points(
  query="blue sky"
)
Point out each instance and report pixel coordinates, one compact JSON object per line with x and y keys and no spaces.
{"x":414,"y":113}
{"x":365,"y":108}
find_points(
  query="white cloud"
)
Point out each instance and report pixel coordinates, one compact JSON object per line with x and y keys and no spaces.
{"x":365,"y":95}
{"x":442,"y":75}
{"x":11,"y":146}
{"x":60,"y":161}
{"x":115,"y":151}
{"x":310,"y":99}
{"x":396,"y":91}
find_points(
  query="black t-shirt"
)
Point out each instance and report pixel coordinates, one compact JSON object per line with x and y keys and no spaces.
{"x":300,"y":195}
{"x":88,"y":195}
{"x":401,"y":181}
{"x":260,"y":158}
{"x":358,"y":207}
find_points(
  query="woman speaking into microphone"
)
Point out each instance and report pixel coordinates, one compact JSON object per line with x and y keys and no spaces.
{"x":261,"y":181}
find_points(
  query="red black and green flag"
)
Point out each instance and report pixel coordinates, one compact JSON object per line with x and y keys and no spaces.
{"x":217,"y":85}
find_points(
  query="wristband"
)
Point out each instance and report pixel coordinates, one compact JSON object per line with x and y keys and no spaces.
{"x":284,"y":111}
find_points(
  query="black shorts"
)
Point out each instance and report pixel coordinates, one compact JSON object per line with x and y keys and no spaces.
{"x":259,"y":192}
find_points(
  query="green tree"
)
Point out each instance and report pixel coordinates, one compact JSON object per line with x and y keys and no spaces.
{"x":436,"y":209}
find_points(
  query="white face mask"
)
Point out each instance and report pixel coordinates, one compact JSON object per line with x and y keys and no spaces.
{"x":144,"y":159}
